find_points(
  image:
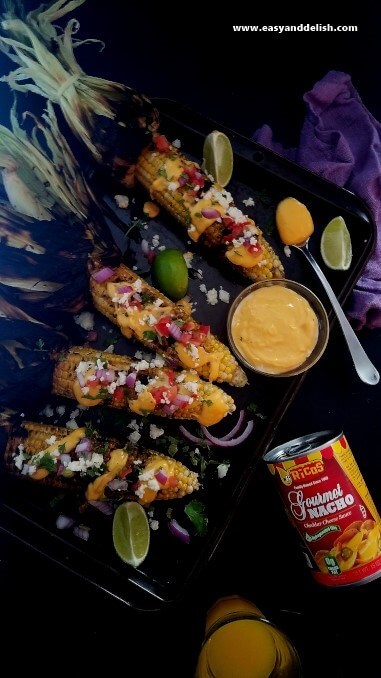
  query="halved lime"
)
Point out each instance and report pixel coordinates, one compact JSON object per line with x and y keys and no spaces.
{"x":131,"y":533}
{"x":170,"y":273}
{"x":336,"y":245}
{"x":218,"y":157}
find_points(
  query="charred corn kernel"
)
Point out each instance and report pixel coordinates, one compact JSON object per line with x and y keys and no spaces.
{"x":65,"y":383}
{"x":176,"y":482}
{"x":180,"y":480}
{"x":228,"y":369}
{"x":159,"y":173}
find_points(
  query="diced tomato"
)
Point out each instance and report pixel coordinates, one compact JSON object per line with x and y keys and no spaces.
{"x":253,"y":249}
{"x":171,"y":376}
{"x":186,"y":338}
{"x":162,"y":144}
{"x":125,"y":472}
{"x":199,"y":337}
{"x":161,"y":326}
{"x":164,"y":393}
{"x":228,"y":222}
{"x":188,"y":326}
{"x":172,"y":481}
{"x":118,"y":394}
{"x":92,"y":383}
{"x":134,"y":303}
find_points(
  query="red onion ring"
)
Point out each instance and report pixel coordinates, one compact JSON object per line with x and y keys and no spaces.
{"x":82,"y":532}
{"x":178,"y":531}
{"x":84,"y":446}
{"x":190,"y":436}
{"x":229,"y":443}
{"x":117,"y":484}
{"x":175,"y":332}
{"x":124,"y":289}
{"x":236,"y":428}
{"x":103,"y":274}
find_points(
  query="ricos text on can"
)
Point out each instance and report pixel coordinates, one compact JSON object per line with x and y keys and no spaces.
{"x":329,"y":503}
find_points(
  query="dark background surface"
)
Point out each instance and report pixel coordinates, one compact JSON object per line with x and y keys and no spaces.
{"x":241,"y":80}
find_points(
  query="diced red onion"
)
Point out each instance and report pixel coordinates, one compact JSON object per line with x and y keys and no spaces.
{"x":151,"y":256}
{"x":190,"y":436}
{"x":81,"y":379}
{"x":82,"y":532}
{"x":145,"y":246}
{"x":131,"y":379}
{"x":178,"y":531}
{"x":210,"y":213}
{"x":65,"y":459}
{"x":175,"y":332}
{"x":182,"y":180}
{"x":107,"y":376}
{"x":60,"y":469}
{"x":92,"y":335}
{"x":64,"y":522}
{"x":236,"y":428}
{"x":117,"y":484}
{"x":103,"y":274}
{"x":84,"y":446}
{"x":229,"y":443}
{"x":161,"y":477}
{"x":124,"y":289}
{"x":182,"y":400}
{"x":170,"y":409}
{"x":102,"y":506}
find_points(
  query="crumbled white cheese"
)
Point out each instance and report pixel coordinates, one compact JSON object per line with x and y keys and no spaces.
{"x":121,"y":379}
{"x":191,"y":228}
{"x":147,"y":475}
{"x":47,"y":411}
{"x":74,"y":414}
{"x":109,"y":349}
{"x":85,"y":320}
{"x":154,"y":524}
{"x":223,"y":295}
{"x":155,"y":240}
{"x":155,"y":431}
{"x":176,"y":143}
{"x":188,"y":256}
{"x":111,"y":387}
{"x":138,"y":355}
{"x":140,"y":491}
{"x":193,"y":350}
{"x":18,"y":461}
{"x":211,"y":297}
{"x":158,"y":361}
{"x":51,"y":440}
{"x":61,"y":409}
{"x":180,"y":378}
{"x":122,"y":201}
{"x":222,"y":470}
{"x":153,"y":485}
{"x":139,"y":387}
{"x":96,"y":459}
{"x":249,"y":202}
{"x":134,"y":437}
{"x":173,"y":186}
{"x":71,"y":424}
{"x":134,"y":425}
{"x":287,"y":250}
{"x":191,"y":386}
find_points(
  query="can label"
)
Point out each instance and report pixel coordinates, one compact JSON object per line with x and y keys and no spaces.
{"x":329,"y":504}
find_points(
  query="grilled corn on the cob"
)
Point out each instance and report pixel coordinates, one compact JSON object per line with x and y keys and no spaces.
{"x":144,"y":313}
{"x":94,"y":378}
{"x":207,"y":211}
{"x":69,"y":459}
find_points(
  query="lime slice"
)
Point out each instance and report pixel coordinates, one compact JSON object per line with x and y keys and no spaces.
{"x":170,"y":273}
{"x":131,"y":533}
{"x":336,"y":245}
{"x":218,"y":157}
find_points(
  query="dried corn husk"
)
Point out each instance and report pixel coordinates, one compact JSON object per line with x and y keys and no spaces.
{"x":100,"y":112}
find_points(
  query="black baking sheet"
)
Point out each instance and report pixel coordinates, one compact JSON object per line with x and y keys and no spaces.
{"x":25,"y":509}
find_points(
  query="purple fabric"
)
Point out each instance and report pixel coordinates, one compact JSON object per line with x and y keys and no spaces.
{"x":341,"y":141}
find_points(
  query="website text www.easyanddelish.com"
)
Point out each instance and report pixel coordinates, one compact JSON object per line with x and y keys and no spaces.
{"x":300,"y":28}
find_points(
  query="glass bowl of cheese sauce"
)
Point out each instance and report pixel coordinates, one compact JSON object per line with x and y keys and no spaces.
{"x":277,"y":328}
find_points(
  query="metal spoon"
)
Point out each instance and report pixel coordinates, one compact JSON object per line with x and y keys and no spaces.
{"x":363,"y":366}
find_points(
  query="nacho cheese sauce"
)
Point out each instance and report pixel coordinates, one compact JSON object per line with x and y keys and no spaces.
{"x":274,"y":329}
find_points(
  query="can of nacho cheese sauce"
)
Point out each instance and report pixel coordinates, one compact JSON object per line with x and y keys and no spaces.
{"x":328,"y":502}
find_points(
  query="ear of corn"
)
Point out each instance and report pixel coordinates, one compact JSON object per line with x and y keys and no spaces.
{"x":222,"y":367}
{"x":154,"y":171}
{"x":205,"y":400}
{"x":180,"y":481}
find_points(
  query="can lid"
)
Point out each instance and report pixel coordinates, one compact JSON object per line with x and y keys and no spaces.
{"x":299,"y":446}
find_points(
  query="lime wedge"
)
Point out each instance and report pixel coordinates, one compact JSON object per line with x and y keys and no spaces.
{"x":218,"y":157}
{"x":336,"y":245}
{"x":131,"y":533}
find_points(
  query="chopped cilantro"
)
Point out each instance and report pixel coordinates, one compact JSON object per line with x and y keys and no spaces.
{"x":208,"y":402}
{"x":40,"y":344}
{"x":110,"y":341}
{"x":56,"y":500}
{"x":47,"y":462}
{"x":147,"y":298}
{"x":149,"y":335}
{"x":188,"y":218}
{"x":198,"y":215}
{"x":163,"y":173}
{"x":195,"y":511}
{"x":95,"y":472}
{"x":253,"y":409}
{"x":62,"y":448}
{"x":61,"y":357}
